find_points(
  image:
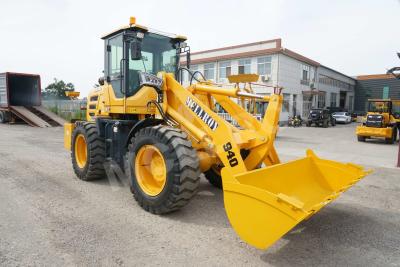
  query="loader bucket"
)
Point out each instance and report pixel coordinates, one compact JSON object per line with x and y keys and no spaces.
{"x":264,"y":204}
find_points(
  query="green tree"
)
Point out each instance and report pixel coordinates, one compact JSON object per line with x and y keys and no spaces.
{"x":57,"y":89}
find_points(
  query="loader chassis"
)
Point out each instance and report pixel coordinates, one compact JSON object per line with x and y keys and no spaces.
{"x":381,"y":121}
{"x":143,"y":119}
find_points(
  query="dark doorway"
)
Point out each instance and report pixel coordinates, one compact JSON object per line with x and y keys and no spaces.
{"x":342,"y":102}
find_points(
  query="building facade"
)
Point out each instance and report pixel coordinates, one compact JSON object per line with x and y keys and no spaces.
{"x":377,"y":86}
{"x":306,"y":83}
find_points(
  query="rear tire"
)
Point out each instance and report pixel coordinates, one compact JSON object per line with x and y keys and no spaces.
{"x":93,"y":169}
{"x":182,"y":175}
{"x":308,"y":124}
{"x":325,"y":124}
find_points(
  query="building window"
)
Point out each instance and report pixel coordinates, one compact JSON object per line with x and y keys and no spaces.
{"x":305,"y":72}
{"x":193,"y":68}
{"x":209,"y":71}
{"x":321,"y":100}
{"x":286,"y":100}
{"x":244,"y":66}
{"x":264,"y":65}
{"x":333,"y":82}
{"x":294,"y":107}
{"x":224,"y":69}
{"x":333,"y":99}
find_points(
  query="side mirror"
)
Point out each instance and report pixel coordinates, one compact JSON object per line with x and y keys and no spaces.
{"x":136,"y":50}
{"x":188,"y":59}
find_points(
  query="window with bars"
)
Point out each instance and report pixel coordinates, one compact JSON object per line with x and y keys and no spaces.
{"x":333,"y":99}
{"x":244,"y":66}
{"x":224,"y":70}
{"x":187,"y":76}
{"x":209,"y":71}
{"x":321,"y":100}
{"x":286,"y":102}
{"x":264,"y":65}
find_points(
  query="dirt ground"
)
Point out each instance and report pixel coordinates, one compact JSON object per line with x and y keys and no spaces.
{"x":49,"y":217}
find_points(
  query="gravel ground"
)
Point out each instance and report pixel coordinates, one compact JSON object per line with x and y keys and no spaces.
{"x":48,"y":217}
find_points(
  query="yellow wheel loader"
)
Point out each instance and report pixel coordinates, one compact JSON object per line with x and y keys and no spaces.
{"x":165,"y":135}
{"x":381,"y":121}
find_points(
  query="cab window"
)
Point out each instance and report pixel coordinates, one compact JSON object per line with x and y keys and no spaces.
{"x":158,"y":54}
{"x":114,"y":57}
{"x":379,"y":106}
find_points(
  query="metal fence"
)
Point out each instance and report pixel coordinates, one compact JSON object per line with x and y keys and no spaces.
{"x":231,"y":120}
{"x":67,"y":109}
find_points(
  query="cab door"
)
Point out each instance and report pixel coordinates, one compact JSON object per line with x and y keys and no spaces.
{"x":115,"y":68}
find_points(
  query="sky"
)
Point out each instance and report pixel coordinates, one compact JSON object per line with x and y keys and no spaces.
{"x":61,"y":38}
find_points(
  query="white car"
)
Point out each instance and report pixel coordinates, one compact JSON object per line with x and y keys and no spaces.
{"x":343,"y":117}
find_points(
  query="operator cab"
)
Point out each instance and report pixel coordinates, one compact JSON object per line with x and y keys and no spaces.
{"x":379,"y":106}
{"x":135,"y":49}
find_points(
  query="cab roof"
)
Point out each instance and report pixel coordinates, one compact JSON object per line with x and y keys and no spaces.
{"x":144,"y":29}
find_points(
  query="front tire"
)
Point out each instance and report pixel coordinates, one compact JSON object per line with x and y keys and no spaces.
{"x":88,"y":152}
{"x":213,"y":175}
{"x":165,"y":170}
{"x":393,"y":138}
{"x":361,"y":138}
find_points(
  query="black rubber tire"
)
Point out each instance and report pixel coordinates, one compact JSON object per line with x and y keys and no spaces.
{"x":183,"y":169}
{"x":94,"y":168}
{"x":325,"y":124}
{"x":361,"y":138}
{"x":333,"y":122}
{"x":213,"y":178}
{"x":393,"y":138}
{"x":308,"y":124}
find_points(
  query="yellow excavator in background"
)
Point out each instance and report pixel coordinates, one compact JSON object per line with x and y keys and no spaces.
{"x":164,"y":135}
{"x":382,"y":120}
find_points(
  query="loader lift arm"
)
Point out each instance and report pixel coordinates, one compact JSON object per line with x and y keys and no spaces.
{"x":262,"y":204}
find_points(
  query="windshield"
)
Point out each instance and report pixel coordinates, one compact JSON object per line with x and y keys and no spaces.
{"x":158,"y":54}
{"x":340,"y":114}
{"x":379,"y":106}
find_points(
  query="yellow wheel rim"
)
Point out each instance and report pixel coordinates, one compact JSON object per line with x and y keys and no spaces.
{"x":81,"y":151}
{"x":150,"y":170}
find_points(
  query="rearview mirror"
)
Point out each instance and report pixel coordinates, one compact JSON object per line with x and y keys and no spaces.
{"x":188,"y":59}
{"x":136,"y":50}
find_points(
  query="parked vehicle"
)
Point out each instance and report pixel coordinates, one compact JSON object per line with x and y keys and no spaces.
{"x":320,"y":117}
{"x":342,"y":117}
{"x":295,"y":121}
{"x":382,"y":121}
{"x":336,"y":109}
